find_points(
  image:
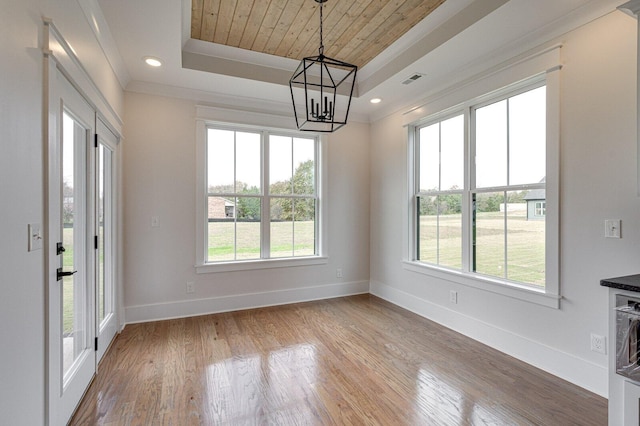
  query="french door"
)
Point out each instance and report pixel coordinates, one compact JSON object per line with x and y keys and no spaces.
{"x":80,"y":258}
{"x":104,"y":238}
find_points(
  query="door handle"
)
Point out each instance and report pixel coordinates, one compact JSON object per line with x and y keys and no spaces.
{"x":60,"y":273}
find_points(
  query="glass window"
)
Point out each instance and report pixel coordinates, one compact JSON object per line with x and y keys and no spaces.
{"x":511,"y":135}
{"x":256,"y":179}
{"x":440,"y":180}
{"x":494,"y":224}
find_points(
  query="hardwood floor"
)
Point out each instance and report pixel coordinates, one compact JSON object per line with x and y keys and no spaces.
{"x":354,"y":360}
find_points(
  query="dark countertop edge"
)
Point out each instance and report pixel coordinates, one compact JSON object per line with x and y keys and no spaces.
{"x":628,"y":282}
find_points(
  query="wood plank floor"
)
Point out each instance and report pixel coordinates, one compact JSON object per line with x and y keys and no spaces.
{"x":354,"y":360}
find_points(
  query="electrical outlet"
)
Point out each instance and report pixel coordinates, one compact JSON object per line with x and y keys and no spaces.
{"x":598,"y":344}
{"x":339,"y":273}
{"x":191,"y":287}
{"x":453,"y":297}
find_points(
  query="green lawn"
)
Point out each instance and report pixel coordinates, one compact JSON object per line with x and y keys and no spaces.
{"x":67,"y":282}
{"x":525,"y":252}
{"x":287,"y":239}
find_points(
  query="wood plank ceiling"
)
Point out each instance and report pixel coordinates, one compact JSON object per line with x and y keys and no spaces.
{"x":354,"y":31}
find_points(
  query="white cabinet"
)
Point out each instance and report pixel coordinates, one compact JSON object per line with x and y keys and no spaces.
{"x":631,"y":403}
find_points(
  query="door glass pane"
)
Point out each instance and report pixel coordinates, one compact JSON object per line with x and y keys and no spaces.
{"x":105,"y":236}
{"x":100,"y":214}
{"x":73,"y":239}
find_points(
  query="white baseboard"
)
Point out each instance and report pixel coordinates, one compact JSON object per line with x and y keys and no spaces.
{"x":195,"y":307}
{"x":578,"y":371}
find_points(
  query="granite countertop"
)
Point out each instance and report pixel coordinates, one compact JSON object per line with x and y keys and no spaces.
{"x":629,"y":283}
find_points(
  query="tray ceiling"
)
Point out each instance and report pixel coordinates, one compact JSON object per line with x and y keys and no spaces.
{"x":354,"y":31}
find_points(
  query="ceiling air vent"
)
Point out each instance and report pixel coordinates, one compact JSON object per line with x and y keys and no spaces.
{"x":413,"y":78}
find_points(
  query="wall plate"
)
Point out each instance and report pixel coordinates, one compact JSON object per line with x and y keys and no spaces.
{"x":34,"y":236}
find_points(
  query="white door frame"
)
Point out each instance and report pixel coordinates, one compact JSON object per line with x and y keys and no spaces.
{"x":65,"y":390}
{"x":60,"y":57}
{"x":106,"y":329}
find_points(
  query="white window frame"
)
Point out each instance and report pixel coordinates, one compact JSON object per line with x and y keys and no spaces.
{"x":506,"y":80}
{"x":202,"y":265}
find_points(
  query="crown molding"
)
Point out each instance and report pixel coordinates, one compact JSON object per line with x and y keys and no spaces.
{"x":100,"y":28}
{"x":217,"y":100}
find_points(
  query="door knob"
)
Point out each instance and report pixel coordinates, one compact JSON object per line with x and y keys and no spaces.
{"x":60,"y":273}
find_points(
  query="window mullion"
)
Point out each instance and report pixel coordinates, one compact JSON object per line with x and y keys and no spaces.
{"x":439,"y":189}
{"x":506,"y":236}
{"x":504,"y":196}
{"x":235,"y":190}
{"x":265,"y":209}
{"x":469,"y":182}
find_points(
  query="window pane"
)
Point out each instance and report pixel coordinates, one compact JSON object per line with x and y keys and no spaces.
{"x":450,"y":231}
{"x":526,"y":237}
{"x":248,"y":228}
{"x":304,"y":168}
{"x":452,"y":153}
{"x":440,"y":230}
{"x":304,"y":227}
{"x":221,"y":229}
{"x":491,"y":145}
{"x":428,"y":229}
{"x":281,"y":243}
{"x":488,"y":227}
{"x":247,"y":163}
{"x":220,"y":161}
{"x":429,"y":167}
{"x":280,"y":164}
{"x":527,"y":137}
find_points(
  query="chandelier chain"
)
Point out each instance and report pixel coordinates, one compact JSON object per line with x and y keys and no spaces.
{"x":321,"y":50}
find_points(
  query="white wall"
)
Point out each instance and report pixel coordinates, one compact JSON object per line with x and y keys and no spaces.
{"x":22,"y":304}
{"x":159,"y":176}
{"x":598,"y":182}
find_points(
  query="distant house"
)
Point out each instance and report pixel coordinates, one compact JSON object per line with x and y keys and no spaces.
{"x":536,"y":204}
{"x":221,"y":208}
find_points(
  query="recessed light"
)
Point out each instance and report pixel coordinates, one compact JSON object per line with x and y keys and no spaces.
{"x":375,"y":100}
{"x":153,"y":62}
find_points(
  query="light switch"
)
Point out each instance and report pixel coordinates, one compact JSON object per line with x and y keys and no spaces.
{"x":155,"y":221}
{"x":35,"y":236}
{"x":612,"y":228}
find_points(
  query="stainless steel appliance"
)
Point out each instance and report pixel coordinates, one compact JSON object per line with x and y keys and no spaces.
{"x":628,"y":337}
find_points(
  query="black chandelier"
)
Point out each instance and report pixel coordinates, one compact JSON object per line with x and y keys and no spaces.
{"x":328,"y":88}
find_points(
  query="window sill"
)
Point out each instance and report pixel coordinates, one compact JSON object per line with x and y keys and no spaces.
{"x":249,"y":265}
{"x":505,"y":288}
